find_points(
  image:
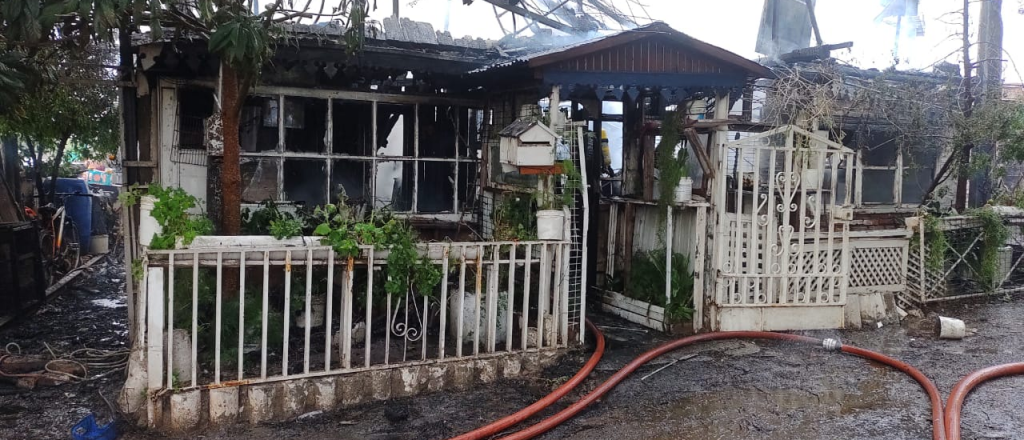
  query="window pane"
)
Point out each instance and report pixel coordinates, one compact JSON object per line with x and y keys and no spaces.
{"x":305,"y":124}
{"x":259,"y":179}
{"x":877,"y":186}
{"x":878,"y":148}
{"x":353,"y":132}
{"x":257,"y":129}
{"x":305,"y":181}
{"x":468,"y":179}
{"x":194,"y":106}
{"x":915,"y":182}
{"x":395,"y":130}
{"x":350,"y":177}
{"x":437,"y":130}
{"x":436,"y":187}
{"x":394,"y":186}
{"x":470,"y":133}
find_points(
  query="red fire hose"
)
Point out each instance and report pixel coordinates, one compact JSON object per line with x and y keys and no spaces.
{"x":964,"y":387}
{"x":602,"y":389}
{"x":525,"y":413}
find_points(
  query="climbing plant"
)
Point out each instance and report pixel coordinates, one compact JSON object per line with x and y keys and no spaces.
{"x":994,"y":236}
{"x":670,"y":159}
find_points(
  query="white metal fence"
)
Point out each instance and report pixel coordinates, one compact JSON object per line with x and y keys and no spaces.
{"x":782,"y":233}
{"x":228,"y":316}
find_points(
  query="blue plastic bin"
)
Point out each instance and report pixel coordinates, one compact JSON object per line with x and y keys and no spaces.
{"x":87,"y":429}
{"x":79,"y":207}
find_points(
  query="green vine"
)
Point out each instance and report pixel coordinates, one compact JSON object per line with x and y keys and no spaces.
{"x":513,"y":218}
{"x":572,"y":182}
{"x":269,"y":220}
{"x":936,"y":242}
{"x":407,"y":269}
{"x":671,"y":163}
{"x":994,"y":236}
{"x":171,"y":212}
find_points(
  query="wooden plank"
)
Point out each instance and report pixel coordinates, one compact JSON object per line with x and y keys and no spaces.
{"x":626,"y":251}
{"x":700,"y":151}
{"x":633,"y":305}
{"x":647,"y":143}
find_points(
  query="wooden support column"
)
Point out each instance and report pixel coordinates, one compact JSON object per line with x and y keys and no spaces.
{"x":647,"y":143}
{"x":631,"y":155}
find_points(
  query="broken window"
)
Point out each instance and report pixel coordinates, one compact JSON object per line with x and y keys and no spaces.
{"x":305,"y":125}
{"x":350,"y":177}
{"x":305,"y":181}
{"x":436,"y":187}
{"x":259,"y":179}
{"x":353,"y":128}
{"x":421,"y":159}
{"x":395,"y":132}
{"x":194,"y":106}
{"x":892,"y":173}
{"x":438,"y":131}
{"x":257,"y":128}
{"x":394,"y":185}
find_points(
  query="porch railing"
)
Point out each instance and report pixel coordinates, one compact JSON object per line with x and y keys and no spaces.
{"x":234,"y":315}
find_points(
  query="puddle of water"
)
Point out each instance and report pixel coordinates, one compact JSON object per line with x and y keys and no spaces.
{"x":108,"y":303}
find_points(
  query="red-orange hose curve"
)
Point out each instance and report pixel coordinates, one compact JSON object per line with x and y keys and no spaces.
{"x":964,"y":387}
{"x":525,"y":413}
{"x":545,"y":425}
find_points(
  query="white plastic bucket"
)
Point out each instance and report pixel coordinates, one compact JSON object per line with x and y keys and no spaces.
{"x":148,"y":226}
{"x":951,"y":328}
{"x":550,"y":224}
{"x":99,"y":244}
{"x":684,"y":192}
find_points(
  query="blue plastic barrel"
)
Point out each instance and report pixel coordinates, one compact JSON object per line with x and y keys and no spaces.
{"x":79,"y":207}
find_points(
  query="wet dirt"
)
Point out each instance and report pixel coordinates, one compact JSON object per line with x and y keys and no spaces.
{"x":90,"y":313}
{"x":718,"y":390}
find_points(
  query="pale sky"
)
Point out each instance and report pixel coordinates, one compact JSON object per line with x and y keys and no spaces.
{"x":732,"y":24}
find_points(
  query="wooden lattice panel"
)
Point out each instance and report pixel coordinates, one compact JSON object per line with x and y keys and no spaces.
{"x":878,"y":265}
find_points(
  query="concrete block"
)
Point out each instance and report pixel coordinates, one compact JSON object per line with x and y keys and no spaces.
{"x":487,"y":370}
{"x":878,"y":307}
{"x":463,"y":375}
{"x":354,"y":389}
{"x":294,"y":395}
{"x":186,"y":408}
{"x":530,"y":364}
{"x":852,"y":312}
{"x":436,"y":377}
{"x":258,"y":405}
{"x":511,"y":366}
{"x":223,"y":405}
{"x":408,"y":381}
{"x":324,"y":393}
{"x":380,"y":383}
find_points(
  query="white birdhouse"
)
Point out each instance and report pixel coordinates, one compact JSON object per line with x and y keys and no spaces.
{"x":527,"y":143}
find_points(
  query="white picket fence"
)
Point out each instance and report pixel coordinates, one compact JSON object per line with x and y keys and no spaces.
{"x":232,"y":322}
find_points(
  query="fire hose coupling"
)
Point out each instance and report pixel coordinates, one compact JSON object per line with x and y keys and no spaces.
{"x":832,"y":344}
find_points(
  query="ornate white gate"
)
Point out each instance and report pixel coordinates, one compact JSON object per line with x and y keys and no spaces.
{"x":782,"y":251}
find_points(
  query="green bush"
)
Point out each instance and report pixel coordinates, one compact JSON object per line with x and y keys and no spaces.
{"x":647,"y":283}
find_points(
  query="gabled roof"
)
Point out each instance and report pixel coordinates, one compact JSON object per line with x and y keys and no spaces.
{"x":678,"y":40}
{"x":520,"y":126}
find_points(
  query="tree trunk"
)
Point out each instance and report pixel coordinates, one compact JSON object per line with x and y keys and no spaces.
{"x":231,"y":178}
{"x":968,"y":108}
{"x":56,"y":165}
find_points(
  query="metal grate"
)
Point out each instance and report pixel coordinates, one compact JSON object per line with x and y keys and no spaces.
{"x":189,"y":145}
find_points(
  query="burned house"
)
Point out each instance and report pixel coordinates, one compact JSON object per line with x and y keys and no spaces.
{"x":413,"y":123}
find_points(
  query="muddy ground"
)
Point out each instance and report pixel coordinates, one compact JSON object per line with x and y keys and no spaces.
{"x":722,"y":390}
{"x":90,"y":313}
